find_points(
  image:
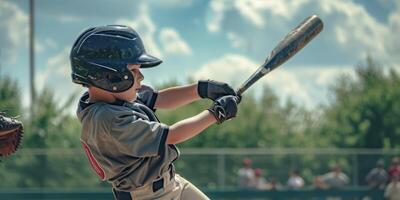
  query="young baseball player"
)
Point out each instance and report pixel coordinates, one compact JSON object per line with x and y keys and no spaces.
{"x":125,"y":142}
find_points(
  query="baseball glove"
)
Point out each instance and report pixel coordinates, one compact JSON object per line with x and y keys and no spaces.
{"x":11,"y":131}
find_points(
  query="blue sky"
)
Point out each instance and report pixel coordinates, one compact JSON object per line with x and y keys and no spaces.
{"x":224,"y":40}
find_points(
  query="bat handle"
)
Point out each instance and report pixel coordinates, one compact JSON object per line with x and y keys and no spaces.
{"x":240,"y":91}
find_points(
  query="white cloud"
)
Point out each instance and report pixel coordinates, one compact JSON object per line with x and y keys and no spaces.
{"x":60,"y":63}
{"x":356,"y":28}
{"x":39,"y":47}
{"x":351,"y":32}
{"x":146,"y":28}
{"x":251,"y":11}
{"x":216,"y":17}
{"x":173,"y":43}
{"x":57,"y":76}
{"x":56,"y":73}
{"x":307,"y":85}
{"x":170,"y":3}
{"x":47,"y":44}
{"x":236,"y":41}
{"x":255,"y":12}
{"x":13,"y":30}
{"x":230,"y":68}
{"x":393,"y":41}
{"x":50,"y":43}
{"x":69,"y":18}
{"x":341,"y":35}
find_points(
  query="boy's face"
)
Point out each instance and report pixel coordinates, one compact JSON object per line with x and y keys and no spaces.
{"x":130,"y":94}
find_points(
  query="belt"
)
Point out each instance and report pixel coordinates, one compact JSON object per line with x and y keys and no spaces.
{"x":157,"y":185}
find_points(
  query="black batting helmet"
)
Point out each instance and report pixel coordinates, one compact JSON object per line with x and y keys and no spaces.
{"x":100,"y":55}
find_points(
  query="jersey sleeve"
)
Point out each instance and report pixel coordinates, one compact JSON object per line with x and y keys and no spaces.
{"x":137,"y":136}
{"x":148,"y":96}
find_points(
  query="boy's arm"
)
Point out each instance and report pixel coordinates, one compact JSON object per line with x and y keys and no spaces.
{"x":190,"y":127}
{"x":222,"y":109}
{"x":176,"y":96}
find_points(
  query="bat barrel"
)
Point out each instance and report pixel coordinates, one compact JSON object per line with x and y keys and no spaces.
{"x":288,"y":47}
{"x":294,"y":42}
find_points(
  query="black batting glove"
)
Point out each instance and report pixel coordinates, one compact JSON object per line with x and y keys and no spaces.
{"x":224,"y":108}
{"x":213,"y":89}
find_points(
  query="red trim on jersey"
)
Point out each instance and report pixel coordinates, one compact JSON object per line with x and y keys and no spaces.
{"x":93,"y":162}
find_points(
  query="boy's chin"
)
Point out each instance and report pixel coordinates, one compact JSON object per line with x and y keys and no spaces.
{"x":128,"y":99}
{"x":133,"y":98}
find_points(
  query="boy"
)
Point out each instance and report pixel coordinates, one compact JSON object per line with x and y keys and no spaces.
{"x":122,"y":137}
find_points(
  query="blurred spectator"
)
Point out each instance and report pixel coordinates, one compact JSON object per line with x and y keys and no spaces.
{"x":392,"y":191}
{"x":295,"y":181}
{"x":378,"y":177}
{"x":273,"y":184}
{"x":246,"y":174}
{"x":259,"y":180}
{"x":394,"y":170}
{"x":334,"y":179}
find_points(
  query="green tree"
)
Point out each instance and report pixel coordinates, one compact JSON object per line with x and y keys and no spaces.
{"x":10,"y":96}
{"x":51,"y":127}
{"x":365,"y":111}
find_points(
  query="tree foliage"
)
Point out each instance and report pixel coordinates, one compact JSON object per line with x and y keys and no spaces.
{"x":10,"y":96}
{"x":365,"y":111}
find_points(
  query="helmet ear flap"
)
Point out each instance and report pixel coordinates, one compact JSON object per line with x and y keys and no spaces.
{"x":111,"y":80}
{"x":80,"y":73}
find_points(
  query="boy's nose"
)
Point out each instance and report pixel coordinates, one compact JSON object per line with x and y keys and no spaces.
{"x":140,"y":76}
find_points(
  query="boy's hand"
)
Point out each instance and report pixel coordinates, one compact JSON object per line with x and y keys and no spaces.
{"x":214,"y":89}
{"x":224,"y":108}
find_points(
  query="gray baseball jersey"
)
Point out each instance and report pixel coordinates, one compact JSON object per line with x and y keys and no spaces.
{"x":124,"y":141}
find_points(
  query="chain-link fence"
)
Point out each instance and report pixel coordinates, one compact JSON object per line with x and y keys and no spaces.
{"x":206,"y":168}
{"x":219,"y":167}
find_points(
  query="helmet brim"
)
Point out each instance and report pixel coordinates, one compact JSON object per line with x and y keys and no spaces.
{"x":146,"y":61}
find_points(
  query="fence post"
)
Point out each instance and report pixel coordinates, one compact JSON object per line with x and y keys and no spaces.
{"x":355,"y":169}
{"x":221,"y":170}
